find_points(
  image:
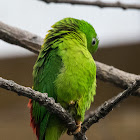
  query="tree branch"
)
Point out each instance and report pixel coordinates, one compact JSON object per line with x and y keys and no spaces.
{"x":117,"y":77}
{"x":20,"y":37}
{"x":57,"y":109}
{"x":33,"y":43}
{"x":97,"y":3}
{"x":43,"y":99}
{"x":107,"y":107}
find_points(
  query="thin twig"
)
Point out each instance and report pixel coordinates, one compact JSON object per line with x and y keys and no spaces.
{"x":98,"y":3}
{"x":108,"y":106}
{"x":33,"y":43}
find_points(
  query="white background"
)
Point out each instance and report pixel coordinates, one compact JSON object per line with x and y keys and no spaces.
{"x":113,"y":25}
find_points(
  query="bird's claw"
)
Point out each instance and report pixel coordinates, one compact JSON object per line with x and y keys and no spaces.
{"x":77,"y":130}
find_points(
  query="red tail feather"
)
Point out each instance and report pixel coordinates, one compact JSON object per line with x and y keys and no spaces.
{"x":32,"y":120}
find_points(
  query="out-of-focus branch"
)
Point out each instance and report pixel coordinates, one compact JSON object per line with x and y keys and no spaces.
{"x":33,"y":43}
{"x":108,"y":106}
{"x":115,"y":76}
{"x":20,"y":37}
{"x":98,"y":3}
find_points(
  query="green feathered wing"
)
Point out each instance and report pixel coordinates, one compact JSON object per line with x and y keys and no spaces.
{"x":45,"y":73}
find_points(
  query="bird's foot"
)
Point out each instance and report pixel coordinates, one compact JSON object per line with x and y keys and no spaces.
{"x":78,"y":124}
{"x":78,"y":127}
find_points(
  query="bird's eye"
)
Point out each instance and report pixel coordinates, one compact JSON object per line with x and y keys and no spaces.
{"x":93,"y":41}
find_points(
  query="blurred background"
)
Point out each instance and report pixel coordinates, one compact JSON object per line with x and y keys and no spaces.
{"x":119,"y":34}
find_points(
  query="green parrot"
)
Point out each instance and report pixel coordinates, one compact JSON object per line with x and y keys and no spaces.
{"x":65,"y":69}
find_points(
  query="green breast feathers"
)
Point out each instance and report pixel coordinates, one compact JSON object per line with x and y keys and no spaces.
{"x":76,"y":81}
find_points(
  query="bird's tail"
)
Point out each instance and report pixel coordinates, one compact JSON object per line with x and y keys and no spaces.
{"x":55,"y":128}
{"x":49,"y":128}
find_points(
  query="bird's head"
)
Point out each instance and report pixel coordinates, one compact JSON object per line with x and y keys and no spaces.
{"x":91,"y":36}
{"x":68,"y":25}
